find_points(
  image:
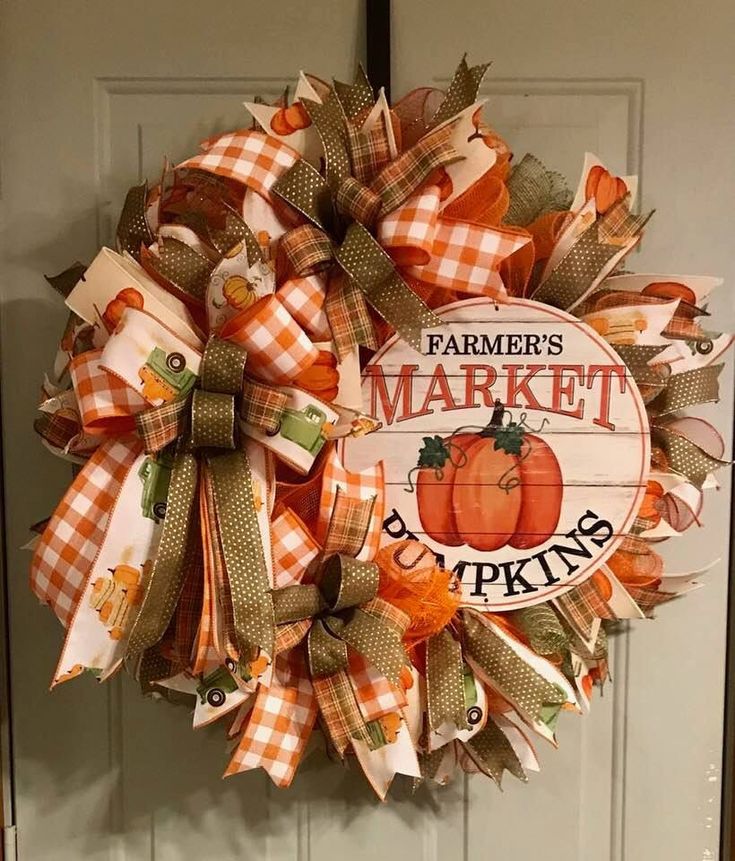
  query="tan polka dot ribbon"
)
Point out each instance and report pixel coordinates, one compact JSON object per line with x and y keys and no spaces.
{"x":345,"y":612}
{"x":445,"y":681}
{"x":505,"y":670}
{"x":493,"y":753}
{"x":211,"y":444}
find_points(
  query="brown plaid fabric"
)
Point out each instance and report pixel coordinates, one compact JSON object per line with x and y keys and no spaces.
{"x":358,"y":202}
{"x":387,"y":613}
{"x":403,"y":176}
{"x":159,"y":426}
{"x":348,"y":524}
{"x":307,"y":248}
{"x":187,"y":616}
{"x":349,"y":317}
{"x":340,"y":711}
{"x":369,"y":152}
{"x":262,"y":405}
{"x":619,"y":225}
{"x":56,"y":429}
{"x":649,"y":599}
{"x":584,"y":605}
{"x":291,"y":634}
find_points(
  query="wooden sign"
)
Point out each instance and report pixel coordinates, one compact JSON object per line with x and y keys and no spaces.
{"x":516,"y":447}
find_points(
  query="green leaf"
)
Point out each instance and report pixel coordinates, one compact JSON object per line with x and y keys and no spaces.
{"x":434,"y":453}
{"x":509,"y":438}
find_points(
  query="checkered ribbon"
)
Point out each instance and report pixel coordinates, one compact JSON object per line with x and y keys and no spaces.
{"x":331,"y":202}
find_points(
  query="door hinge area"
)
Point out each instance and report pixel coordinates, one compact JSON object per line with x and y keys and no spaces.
{"x":10,"y":843}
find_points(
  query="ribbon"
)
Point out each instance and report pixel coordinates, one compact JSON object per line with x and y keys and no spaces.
{"x":211,"y":444}
{"x":502,"y":668}
{"x":542,"y":628}
{"x":341,"y":209}
{"x":445,"y":681}
{"x":493,"y":753}
{"x":535,"y":190}
{"x":346,"y":611}
{"x":591,"y":257}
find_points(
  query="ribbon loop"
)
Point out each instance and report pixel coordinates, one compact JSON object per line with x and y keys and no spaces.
{"x":308,"y":249}
{"x":346,"y":582}
{"x":223,"y":364}
{"x":327,"y":652}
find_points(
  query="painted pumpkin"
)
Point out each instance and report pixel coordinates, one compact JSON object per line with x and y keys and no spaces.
{"x":239,"y":293}
{"x":604,"y":187}
{"x":491,"y":488}
{"x":288,"y":120}
{"x":126,"y":298}
{"x":670,"y":290}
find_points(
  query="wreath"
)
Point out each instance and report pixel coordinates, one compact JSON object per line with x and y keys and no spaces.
{"x":244,"y":536}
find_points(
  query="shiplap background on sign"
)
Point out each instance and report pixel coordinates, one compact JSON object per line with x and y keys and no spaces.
{"x":94,"y":94}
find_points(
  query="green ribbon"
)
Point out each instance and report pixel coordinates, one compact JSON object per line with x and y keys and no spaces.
{"x":542,"y":627}
{"x":535,"y":190}
{"x":462,"y":91}
{"x":494,"y":754}
{"x":445,"y":681}
{"x":698,"y":386}
{"x":212,"y":445}
{"x":346,"y":612}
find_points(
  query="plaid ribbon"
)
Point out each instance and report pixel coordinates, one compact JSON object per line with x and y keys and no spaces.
{"x":584,"y":605}
{"x":259,"y":405}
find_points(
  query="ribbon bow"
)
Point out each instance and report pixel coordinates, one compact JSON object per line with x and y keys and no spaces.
{"x":346,"y":611}
{"x":342,"y":207}
{"x":208,"y":443}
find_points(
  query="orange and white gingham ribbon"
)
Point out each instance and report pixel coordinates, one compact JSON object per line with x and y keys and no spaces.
{"x":445,"y":252}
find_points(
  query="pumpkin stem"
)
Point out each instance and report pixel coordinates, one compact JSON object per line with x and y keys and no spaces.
{"x":496,"y":419}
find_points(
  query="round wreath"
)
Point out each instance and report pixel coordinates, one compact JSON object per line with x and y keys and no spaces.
{"x":212,"y":540}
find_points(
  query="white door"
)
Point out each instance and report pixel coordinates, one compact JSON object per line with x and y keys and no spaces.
{"x":94,"y":94}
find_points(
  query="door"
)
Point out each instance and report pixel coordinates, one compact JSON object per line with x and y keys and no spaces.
{"x":94,"y":94}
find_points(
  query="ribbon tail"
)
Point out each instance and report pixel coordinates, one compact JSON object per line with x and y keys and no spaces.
{"x":493,"y":753}
{"x":176,"y":555}
{"x":517,"y":673}
{"x":280,"y":723}
{"x":252,"y":604}
{"x":373,"y":271}
{"x":445,"y":682}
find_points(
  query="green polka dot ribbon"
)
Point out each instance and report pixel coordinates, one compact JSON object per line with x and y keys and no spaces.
{"x":506,"y":671}
{"x":211,"y":444}
{"x":345,"y":612}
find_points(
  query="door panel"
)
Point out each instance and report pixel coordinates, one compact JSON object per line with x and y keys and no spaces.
{"x":641,"y":777}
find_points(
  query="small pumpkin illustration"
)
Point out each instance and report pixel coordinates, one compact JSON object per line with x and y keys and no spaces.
{"x":238,"y":292}
{"x":126,"y":298}
{"x":497,"y":486}
{"x":321,"y":378}
{"x":670,"y":290}
{"x":605,"y":188}
{"x":288,"y":120}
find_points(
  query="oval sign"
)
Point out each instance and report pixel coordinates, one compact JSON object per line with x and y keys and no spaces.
{"x":516,"y":446}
